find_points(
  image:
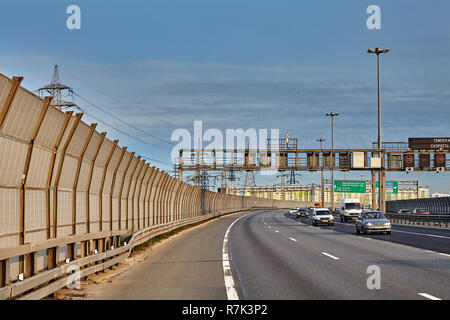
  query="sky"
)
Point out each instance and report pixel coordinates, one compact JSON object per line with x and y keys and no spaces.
{"x":161,"y":65}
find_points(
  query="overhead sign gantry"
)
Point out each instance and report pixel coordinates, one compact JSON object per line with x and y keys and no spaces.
{"x":394,"y":157}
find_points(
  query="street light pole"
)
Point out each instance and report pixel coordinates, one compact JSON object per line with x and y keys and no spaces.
{"x":321,"y":174}
{"x":381,"y":173}
{"x":332,"y":115}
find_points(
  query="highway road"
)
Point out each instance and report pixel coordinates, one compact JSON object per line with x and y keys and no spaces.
{"x":268,"y":254}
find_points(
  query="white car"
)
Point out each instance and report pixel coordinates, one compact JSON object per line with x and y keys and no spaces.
{"x":322,"y":216}
{"x":293,"y":210}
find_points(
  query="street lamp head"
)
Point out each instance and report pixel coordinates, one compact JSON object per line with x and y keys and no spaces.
{"x":332,"y":114}
{"x":378,"y":50}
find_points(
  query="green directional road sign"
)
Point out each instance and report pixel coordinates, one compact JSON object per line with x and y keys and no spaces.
{"x":391,"y":186}
{"x":349,"y":186}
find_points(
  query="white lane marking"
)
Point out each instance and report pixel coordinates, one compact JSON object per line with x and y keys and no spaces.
{"x":277,"y":231}
{"x":429,"y":251}
{"x":444,"y":254}
{"x":293,"y":239}
{"x":423,"y":234}
{"x":409,"y":232}
{"x":429,"y":296}
{"x":269,"y":227}
{"x":329,"y":255}
{"x":228,"y":275}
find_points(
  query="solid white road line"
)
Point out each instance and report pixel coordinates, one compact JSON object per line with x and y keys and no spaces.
{"x":444,"y":254}
{"x":228,"y":275}
{"x":293,"y":239}
{"x":429,"y":296}
{"x":329,"y":255}
{"x":423,"y":234}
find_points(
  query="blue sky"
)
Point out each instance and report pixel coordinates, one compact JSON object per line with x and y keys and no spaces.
{"x":160,"y":65}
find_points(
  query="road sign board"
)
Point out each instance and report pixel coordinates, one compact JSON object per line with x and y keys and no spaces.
{"x":409,"y":160}
{"x":349,"y":186}
{"x":439,"y":160}
{"x":429,"y":143}
{"x":391,"y":187}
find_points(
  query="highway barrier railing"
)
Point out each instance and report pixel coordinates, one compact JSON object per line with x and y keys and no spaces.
{"x":70,"y":197}
{"x":47,"y":282}
{"x":418,"y":219}
{"x":436,"y":206}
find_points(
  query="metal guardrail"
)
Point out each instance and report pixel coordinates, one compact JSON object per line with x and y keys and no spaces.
{"x":49,"y":281}
{"x":436,"y":206}
{"x":428,"y":219}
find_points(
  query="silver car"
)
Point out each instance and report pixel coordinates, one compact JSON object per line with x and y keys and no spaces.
{"x":373,"y":221}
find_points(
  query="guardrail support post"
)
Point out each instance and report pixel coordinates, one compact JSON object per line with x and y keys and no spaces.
{"x":84,"y":249}
{"x":71,"y":251}
{"x":30,"y":267}
{"x":4,"y":273}
{"x":52,"y":260}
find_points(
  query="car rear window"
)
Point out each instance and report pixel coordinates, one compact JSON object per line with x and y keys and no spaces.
{"x":373,"y":215}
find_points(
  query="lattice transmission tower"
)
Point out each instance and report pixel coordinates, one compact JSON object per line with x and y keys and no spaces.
{"x":57,"y":90}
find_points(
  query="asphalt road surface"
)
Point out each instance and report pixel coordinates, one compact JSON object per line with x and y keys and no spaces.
{"x":275,"y":256}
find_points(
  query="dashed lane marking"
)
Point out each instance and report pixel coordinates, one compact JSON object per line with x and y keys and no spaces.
{"x":329,"y":255}
{"x":429,"y":296}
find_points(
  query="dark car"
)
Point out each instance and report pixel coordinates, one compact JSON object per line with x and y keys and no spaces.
{"x":373,"y":221}
{"x":302,"y":213}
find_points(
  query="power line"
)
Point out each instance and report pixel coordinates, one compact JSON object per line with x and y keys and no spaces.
{"x":124,"y":133}
{"x":122,"y":121}
{"x":112,"y":115}
{"x":55,"y":89}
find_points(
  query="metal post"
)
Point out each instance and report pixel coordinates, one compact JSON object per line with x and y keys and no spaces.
{"x":381,"y":172}
{"x":382,"y":190}
{"x":321,"y":173}
{"x":374,"y":193}
{"x":379,"y":105}
{"x":332,"y":163}
{"x":332,"y":115}
{"x":417,"y":189}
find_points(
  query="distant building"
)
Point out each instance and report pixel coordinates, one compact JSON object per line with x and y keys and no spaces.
{"x":440,"y":195}
{"x":312,"y":193}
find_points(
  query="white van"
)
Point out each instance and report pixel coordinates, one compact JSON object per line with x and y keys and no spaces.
{"x":349,"y":209}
